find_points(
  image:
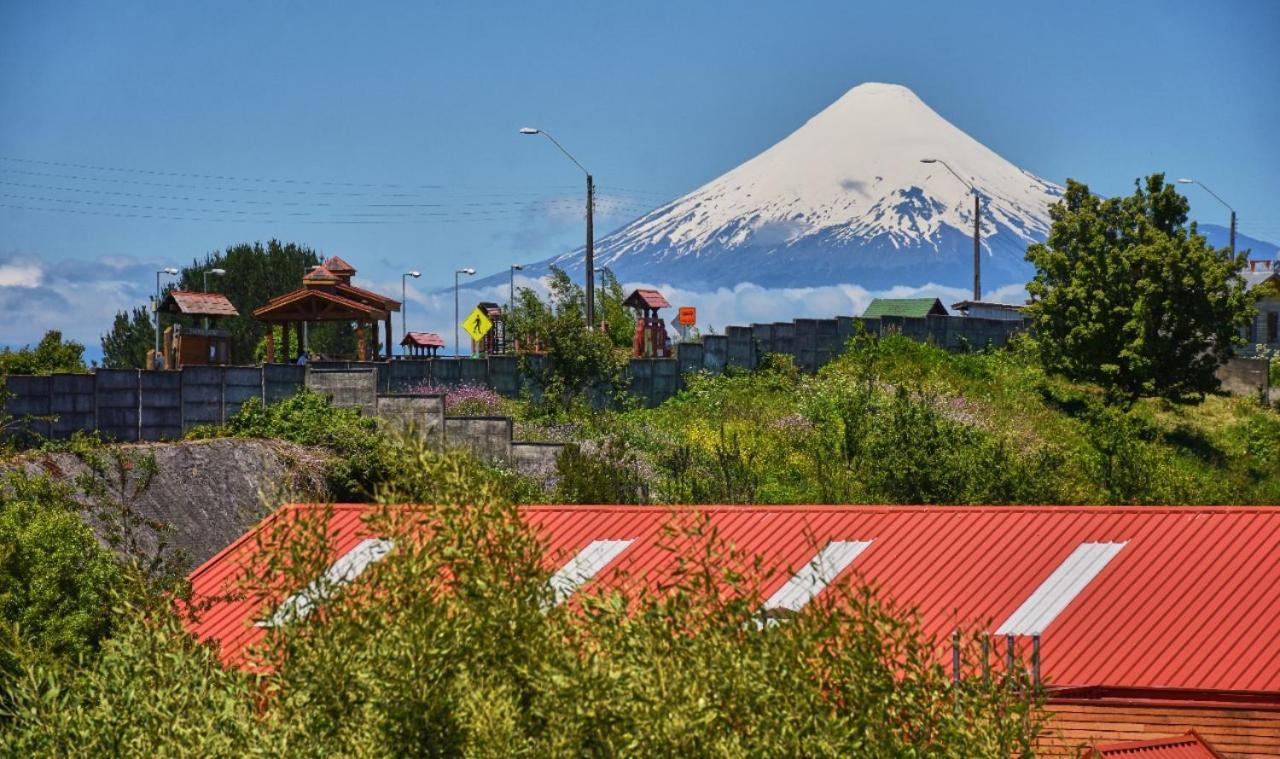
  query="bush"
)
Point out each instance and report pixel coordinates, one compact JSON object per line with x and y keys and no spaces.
{"x":362,"y":452}
{"x":466,"y":399}
{"x":454,"y":645}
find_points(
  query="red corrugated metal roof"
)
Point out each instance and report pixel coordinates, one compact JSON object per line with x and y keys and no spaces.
{"x":1189,"y":746}
{"x":1191,"y":601}
{"x":198,"y":304}
{"x":649,"y":298}
{"x":423,"y":340}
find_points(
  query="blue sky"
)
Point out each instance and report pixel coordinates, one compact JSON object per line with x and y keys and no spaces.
{"x":419,"y":103}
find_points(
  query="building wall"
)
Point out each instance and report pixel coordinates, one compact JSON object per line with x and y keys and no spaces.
{"x":1238,"y":732}
{"x":1260,"y":331}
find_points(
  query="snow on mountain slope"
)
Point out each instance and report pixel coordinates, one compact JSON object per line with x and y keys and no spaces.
{"x":844,"y":198}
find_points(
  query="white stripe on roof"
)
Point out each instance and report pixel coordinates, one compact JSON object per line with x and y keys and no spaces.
{"x":1060,"y":589}
{"x":581,"y":568}
{"x":351,"y":565}
{"x":816,"y":575}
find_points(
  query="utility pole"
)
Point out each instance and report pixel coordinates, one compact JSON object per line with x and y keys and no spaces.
{"x":977,"y":247}
{"x":1233,"y":231}
{"x":591,"y":240}
{"x":591,"y":254}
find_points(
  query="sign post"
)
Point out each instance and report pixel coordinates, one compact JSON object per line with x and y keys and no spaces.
{"x":477,"y":325}
{"x":686,"y":317}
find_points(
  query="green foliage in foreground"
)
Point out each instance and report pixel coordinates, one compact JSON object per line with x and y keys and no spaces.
{"x":896,"y":421}
{"x":454,"y":646}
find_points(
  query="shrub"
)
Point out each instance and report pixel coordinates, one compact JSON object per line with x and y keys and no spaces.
{"x":467,"y":399}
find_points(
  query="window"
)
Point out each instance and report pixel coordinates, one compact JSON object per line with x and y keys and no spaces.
{"x":346,"y":569}
{"x":1060,"y":589}
{"x":815,"y":576}
{"x":1273,"y":326}
{"x":585,"y":565}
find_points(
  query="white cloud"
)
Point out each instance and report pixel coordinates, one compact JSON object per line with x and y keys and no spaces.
{"x":20,"y":275}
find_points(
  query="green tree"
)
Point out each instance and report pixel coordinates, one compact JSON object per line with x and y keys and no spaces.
{"x":132,"y":334}
{"x":579,"y":362}
{"x":51,"y":355}
{"x":1129,"y":296}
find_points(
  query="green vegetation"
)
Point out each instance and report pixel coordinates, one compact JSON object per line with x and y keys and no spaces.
{"x":454,"y":646}
{"x":255,"y":274}
{"x":49,"y":356}
{"x":1127,"y":296}
{"x":580,"y":365}
{"x":896,"y":421}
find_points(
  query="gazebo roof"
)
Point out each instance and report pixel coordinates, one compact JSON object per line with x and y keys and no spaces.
{"x":368,"y":297}
{"x":197,"y":304}
{"x":320,"y":275}
{"x":310,"y":304}
{"x":339,"y":267}
{"x":645,"y":298}
{"x":423,"y":340}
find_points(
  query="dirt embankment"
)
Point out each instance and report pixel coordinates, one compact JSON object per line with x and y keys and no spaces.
{"x":207,"y":491}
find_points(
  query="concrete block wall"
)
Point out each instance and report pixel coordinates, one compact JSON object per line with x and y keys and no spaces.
{"x":71,"y":403}
{"x":488,"y":437}
{"x":349,"y":388}
{"x":535,"y":458}
{"x":160,"y":405}
{"x":422,"y":413}
{"x":116,"y":403}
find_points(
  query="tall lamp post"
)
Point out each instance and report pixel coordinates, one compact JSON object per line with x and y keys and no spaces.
{"x":404,"y":302}
{"x":511,"y":296}
{"x":216,"y":273}
{"x":456,"y":342}
{"x":977,"y":227}
{"x":171,"y":272}
{"x":1223,"y":202}
{"x":591,"y":244}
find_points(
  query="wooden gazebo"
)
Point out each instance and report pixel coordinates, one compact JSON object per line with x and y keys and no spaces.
{"x":192,"y":346}
{"x":328,"y":295}
{"x":422,"y":344}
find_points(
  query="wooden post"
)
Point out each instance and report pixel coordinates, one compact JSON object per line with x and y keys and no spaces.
{"x":271,"y":343}
{"x":360,"y":341}
{"x":388,"y":335}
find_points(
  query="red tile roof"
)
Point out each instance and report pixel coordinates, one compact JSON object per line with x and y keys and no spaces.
{"x":1189,"y":746}
{"x":198,"y":304}
{"x":290,"y":298}
{"x":1185,"y":598}
{"x":423,"y":340}
{"x":647,"y":298}
{"x":377,"y":300}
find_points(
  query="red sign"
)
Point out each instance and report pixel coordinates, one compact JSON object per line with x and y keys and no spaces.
{"x":687,"y":317}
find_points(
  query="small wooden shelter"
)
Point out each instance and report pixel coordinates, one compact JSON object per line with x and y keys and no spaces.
{"x":650,"y":340}
{"x":328,"y":295}
{"x":422,"y":344}
{"x":196,"y":346}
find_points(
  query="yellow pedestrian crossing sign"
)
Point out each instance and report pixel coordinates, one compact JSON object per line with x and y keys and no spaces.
{"x":477,"y":325}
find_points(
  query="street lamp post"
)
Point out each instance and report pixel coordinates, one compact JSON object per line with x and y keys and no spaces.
{"x":591,"y":244}
{"x":456,"y":341}
{"x":171,"y":272}
{"x":1223,"y":202}
{"x":216,"y":273}
{"x":977,"y":227}
{"x":511,"y":296}
{"x":404,"y":303}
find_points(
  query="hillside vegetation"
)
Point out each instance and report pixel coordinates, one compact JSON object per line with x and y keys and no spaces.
{"x":895,"y":421}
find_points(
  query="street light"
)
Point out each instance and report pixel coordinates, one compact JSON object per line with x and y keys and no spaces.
{"x":591,"y":244}
{"x":404,"y":303}
{"x":171,"y":272}
{"x":216,"y":273}
{"x":977,"y":227}
{"x":1223,"y":202}
{"x":511,"y":297}
{"x":469,"y":272}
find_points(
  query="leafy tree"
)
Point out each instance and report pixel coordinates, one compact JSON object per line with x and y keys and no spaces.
{"x":1129,"y":296}
{"x":52,"y":354}
{"x":579,"y":361}
{"x":132,"y":334}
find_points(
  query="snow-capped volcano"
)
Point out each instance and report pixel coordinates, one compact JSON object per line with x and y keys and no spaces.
{"x":843,"y":199}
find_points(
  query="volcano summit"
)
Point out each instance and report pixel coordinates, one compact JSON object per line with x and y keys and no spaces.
{"x":843,"y":199}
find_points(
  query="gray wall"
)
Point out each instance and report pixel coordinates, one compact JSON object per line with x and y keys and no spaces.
{"x":488,"y":437}
{"x":350,"y":388}
{"x":1246,"y":376}
{"x":422,"y":413}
